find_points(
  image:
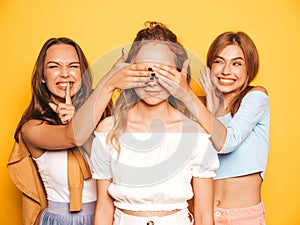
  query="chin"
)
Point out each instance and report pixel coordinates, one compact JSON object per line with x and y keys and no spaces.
{"x":153,"y":101}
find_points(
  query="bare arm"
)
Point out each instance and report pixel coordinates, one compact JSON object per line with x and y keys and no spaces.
{"x":175,"y":83}
{"x":205,"y":118}
{"x":39,"y":135}
{"x":104,"y":208}
{"x":203,"y":201}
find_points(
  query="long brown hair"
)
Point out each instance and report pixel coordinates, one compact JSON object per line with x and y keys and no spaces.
{"x":41,"y":96}
{"x":153,"y":32}
{"x":251,"y":60}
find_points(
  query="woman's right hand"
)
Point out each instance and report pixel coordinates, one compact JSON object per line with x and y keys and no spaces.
{"x":66,"y":110}
{"x":214,"y":97}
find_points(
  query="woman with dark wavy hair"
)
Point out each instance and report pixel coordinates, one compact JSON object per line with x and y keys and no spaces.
{"x":50,"y":130}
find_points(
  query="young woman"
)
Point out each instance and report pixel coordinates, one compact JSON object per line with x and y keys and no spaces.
{"x":242,"y":135}
{"x":50,"y":130}
{"x":150,"y":158}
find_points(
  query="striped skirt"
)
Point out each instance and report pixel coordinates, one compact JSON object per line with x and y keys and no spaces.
{"x":58,"y":213}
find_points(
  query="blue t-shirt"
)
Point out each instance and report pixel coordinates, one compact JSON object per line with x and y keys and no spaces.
{"x":247,"y":142}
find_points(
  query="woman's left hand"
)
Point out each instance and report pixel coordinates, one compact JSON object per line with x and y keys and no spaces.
{"x":174,"y":81}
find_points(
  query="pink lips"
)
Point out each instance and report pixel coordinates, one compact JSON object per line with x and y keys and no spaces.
{"x":152,"y":92}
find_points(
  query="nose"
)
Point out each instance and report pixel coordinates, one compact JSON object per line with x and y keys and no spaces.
{"x":64,"y":72}
{"x":152,"y":83}
{"x":226,"y":70}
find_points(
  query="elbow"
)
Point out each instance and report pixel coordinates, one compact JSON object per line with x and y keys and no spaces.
{"x":73,"y":137}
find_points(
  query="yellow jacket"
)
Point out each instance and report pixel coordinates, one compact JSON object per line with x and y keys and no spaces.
{"x":24,"y":174}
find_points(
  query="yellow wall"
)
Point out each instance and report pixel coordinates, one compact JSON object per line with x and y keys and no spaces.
{"x":99,"y":26}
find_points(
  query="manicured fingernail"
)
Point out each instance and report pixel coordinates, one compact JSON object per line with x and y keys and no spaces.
{"x":150,"y":69}
{"x":146,"y":83}
{"x":152,"y":74}
{"x":152,"y":78}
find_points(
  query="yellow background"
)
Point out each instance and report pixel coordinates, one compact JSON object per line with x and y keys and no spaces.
{"x":99,"y":26}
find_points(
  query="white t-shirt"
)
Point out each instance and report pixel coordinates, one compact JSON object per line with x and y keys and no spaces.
{"x":53,"y":168}
{"x":153,"y":172}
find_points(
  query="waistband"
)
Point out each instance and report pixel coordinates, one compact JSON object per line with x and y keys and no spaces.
{"x":255,"y":210}
{"x":63,"y":208}
{"x":180,"y":217}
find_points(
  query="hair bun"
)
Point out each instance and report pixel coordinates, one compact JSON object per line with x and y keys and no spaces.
{"x":150,"y":24}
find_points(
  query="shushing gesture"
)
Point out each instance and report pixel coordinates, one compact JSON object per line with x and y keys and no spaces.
{"x":65,"y":111}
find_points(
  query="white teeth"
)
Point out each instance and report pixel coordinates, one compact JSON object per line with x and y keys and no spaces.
{"x":226,"y":80}
{"x":62,"y":84}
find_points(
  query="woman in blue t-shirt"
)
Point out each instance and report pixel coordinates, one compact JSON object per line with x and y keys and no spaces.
{"x":240,"y":134}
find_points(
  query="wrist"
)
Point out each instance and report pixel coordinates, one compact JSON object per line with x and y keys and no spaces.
{"x":188,"y":97}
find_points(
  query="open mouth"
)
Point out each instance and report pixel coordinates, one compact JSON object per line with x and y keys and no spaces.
{"x":225,"y":81}
{"x":63,"y":85}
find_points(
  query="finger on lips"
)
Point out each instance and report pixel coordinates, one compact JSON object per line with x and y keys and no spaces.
{"x":68,"y":99}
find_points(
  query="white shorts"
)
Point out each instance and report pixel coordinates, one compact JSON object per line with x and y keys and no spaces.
{"x":179,"y":218}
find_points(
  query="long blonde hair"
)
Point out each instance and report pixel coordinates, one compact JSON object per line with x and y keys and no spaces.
{"x":154,"y":31}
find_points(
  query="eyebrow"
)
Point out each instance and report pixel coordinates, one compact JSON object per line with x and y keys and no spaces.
{"x":241,"y":58}
{"x":75,"y":62}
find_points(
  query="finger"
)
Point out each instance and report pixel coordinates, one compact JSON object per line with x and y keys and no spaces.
{"x":208,"y":74}
{"x":68,"y":97}
{"x":124,"y":55}
{"x":140,"y":67}
{"x":203,"y":83}
{"x":64,"y":112}
{"x":141,"y":74}
{"x":166,"y":83}
{"x":65,"y":120}
{"x":141,"y":79}
{"x":165,"y":71}
{"x":185,"y":67}
{"x":206,"y":77}
{"x":53,"y":106}
{"x":203,"y":80}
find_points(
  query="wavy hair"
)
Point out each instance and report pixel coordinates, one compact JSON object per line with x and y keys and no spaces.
{"x":153,"y":32}
{"x":251,"y":60}
{"x":41,"y":96}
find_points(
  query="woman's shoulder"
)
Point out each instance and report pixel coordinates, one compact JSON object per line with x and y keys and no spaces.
{"x":259,"y":88}
{"x":105,"y":125}
{"x":256,"y":94}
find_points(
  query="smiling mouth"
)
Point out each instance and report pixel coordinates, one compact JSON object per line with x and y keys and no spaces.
{"x":225,"y":81}
{"x":64,"y":84}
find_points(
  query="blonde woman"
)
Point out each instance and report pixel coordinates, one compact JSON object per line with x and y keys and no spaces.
{"x":150,"y":157}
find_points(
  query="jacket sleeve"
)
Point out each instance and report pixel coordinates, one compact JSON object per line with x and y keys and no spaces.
{"x":24,"y":174}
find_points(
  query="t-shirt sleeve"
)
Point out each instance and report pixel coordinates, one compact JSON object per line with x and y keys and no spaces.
{"x":205,"y":159}
{"x":254,"y":106}
{"x":100,"y":158}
